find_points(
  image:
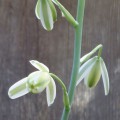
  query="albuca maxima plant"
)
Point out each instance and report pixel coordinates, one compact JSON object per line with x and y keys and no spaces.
{"x":89,"y":68}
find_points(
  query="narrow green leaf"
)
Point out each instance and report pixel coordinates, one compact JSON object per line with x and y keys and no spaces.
{"x":105,"y":77}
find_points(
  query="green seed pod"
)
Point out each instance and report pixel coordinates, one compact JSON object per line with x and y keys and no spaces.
{"x":37,"y":81}
{"x":94,"y":75}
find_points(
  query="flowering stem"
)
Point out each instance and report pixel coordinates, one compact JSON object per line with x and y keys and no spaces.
{"x":65,"y":94}
{"x":77,"y":54}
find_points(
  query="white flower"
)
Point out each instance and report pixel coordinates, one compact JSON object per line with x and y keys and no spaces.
{"x":46,"y":12}
{"x":91,"y":72}
{"x":36,"y":82}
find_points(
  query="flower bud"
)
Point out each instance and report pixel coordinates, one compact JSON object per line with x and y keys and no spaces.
{"x":91,"y":72}
{"x":45,"y":11}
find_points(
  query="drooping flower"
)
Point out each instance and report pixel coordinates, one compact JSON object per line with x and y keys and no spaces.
{"x":91,"y":72}
{"x":35,"y":82}
{"x":46,"y":12}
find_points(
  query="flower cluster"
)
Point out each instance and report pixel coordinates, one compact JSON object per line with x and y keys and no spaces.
{"x":90,"y":70}
{"x":46,"y":12}
{"x":35,"y":82}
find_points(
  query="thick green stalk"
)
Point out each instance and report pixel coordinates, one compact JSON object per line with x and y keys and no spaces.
{"x":77,"y":54}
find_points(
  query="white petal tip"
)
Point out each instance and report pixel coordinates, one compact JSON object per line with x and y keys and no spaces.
{"x":49,"y":104}
{"x":10,"y":95}
{"x":31,"y":61}
{"x":106,"y":93}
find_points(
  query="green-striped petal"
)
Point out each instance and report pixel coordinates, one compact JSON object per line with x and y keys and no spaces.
{"x":53,"y":9}
{"x":51,"y":92}
{"x":39,"y":66}
{"x":85,"y":68}
{"x":37,"y":9}
{"x":105,"y":77}
{"x":94,"y":75}
{"x":46,"y":15}
{"x":18,"y":89}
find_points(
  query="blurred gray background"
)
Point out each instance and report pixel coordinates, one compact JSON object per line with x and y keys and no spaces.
{"x":22,"y":38}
